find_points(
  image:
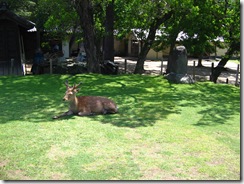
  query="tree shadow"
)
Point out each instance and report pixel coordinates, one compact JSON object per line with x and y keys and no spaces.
{"x":222,"y":102}
{"x":142,"y":100}
{"x":29,"y":98}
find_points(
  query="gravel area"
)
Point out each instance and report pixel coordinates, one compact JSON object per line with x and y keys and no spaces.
{"x":201,"y":73}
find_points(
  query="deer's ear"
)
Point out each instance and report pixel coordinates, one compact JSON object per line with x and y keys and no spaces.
{"x":76,"y":90}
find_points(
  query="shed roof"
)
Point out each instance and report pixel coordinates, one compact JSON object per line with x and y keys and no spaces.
{"x":6,"y":14}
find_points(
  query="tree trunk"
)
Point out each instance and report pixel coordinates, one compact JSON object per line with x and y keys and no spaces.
{"x":71,"y":42}
{"x":73,"y":36}
{"x":141,"y":59}
{"x":234,"y":46}
{"x":85,"y":11}
{"x":170,"y":60}
{"x":218,"y":69}
{"x":199,"y":64}
{"x":109,"y":29}
{"x":149,"y":41}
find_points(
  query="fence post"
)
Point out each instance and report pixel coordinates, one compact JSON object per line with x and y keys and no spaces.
{"x":125,"y":65}
{"x":212,"y":69}
{"x":227,"y":81}
{"x":237,"y":74}
{"x":51,"y":66}
{"x":162,"y":65}
{"x":12,"y":66}
{"x":194,"y":65}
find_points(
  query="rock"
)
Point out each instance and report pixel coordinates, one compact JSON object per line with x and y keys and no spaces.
{"x":178,"y":61}
{"x":177,"y":67}
{"x":179,"y":78}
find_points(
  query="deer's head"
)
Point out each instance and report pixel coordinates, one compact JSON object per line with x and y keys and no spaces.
{"x":71,"y":91}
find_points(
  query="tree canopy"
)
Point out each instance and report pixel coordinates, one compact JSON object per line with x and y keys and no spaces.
{"x":201,"y":21}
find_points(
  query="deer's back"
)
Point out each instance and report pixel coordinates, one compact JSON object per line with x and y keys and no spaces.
{"x":96,"y":104}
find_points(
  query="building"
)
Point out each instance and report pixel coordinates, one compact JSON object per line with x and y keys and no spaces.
{"x":131,"y":46}
{"x":16,"y":44}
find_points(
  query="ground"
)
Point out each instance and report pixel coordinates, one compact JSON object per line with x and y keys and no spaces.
{"x":154,"y":67}
{"x":201,"y":73}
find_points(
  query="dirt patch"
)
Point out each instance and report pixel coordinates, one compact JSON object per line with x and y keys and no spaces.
{"x":156,"y":173}
{"x":55,"y":153}
{"x":4,"y":163}
{"x":17,"y":175}
{"x":133,"y":135}
{"x":57,"y":176}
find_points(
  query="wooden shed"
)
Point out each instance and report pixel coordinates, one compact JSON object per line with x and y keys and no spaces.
{"x":16,"y":43}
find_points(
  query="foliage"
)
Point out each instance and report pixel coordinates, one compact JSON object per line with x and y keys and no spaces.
{"x":57,"y":17}
{"x":231,"y":25}
{"x":162,"y":132}
{"x":22,"y":7}
{"x":202,"y":21}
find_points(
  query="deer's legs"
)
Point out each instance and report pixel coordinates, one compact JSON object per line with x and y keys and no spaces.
{"x":68,"y":113}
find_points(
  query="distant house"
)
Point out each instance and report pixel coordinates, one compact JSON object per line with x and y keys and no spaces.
{"x":131,"y":46}
{"x":16,"y":43}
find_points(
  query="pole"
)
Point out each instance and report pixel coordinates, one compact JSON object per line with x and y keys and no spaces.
{"x":212,"y":69}
{"x":237,"y":74}
{"x":125,"y":65}
{"x":194,"y":65}
{"x":51,"y":66}
{"x":12,"y":66}
{"x":162,"y":65}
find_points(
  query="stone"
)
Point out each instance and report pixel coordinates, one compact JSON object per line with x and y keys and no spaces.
{"x":179,"y":78}
{"x":177,"y":67}
{"x":178,"y":61}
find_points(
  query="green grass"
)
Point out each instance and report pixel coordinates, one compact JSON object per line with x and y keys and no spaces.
{"x":162,"y":132}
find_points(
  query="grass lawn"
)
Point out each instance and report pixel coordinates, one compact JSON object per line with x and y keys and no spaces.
{"x":163,"y":131}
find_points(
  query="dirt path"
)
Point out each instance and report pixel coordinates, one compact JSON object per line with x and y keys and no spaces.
{"x":201,"y":73}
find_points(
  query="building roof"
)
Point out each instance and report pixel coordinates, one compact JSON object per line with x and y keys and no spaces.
{"x":6,"y":14}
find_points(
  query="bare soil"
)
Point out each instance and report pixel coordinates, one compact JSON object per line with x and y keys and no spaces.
{"x":198,"y":73}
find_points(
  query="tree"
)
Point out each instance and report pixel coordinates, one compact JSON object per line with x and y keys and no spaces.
{"x":109,"y":32}
{"x":146,"y":16}
{"x":57,"y":18}
{"x":202,"y":22}
{"x":85,"y":10}
{"x":139,"y":69}
{"x":84,"y":20}
{"x":230,"y":30}
{"x":204,"y":28}
{"x":23,"y":8}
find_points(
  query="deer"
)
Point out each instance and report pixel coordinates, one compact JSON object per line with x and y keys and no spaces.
{"x":86,"y":105}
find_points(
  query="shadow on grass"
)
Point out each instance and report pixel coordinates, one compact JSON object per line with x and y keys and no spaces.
{"x":29,"y":98}
{"x":142,"y":100}
{"x":222,"y":101}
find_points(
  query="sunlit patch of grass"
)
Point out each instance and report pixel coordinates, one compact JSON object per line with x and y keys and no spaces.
{"x":162,"y":131}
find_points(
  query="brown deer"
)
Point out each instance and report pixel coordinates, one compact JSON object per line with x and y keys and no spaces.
{"x":86,"y":105}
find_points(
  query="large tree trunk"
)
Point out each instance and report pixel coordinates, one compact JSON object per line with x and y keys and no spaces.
{"x":149,"y":41}
{"x":71,"y":43}
{"x":141,"y":59}
{"x":85,"y":11}
{"x":109,"y":29}
{"x":199,"y":64}
{"x":234,"y":46}
{"x":170,"y":61}
{"x":73,"y":37}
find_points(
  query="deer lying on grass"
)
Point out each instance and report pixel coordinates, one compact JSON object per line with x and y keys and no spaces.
{"x":86,"y":105}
